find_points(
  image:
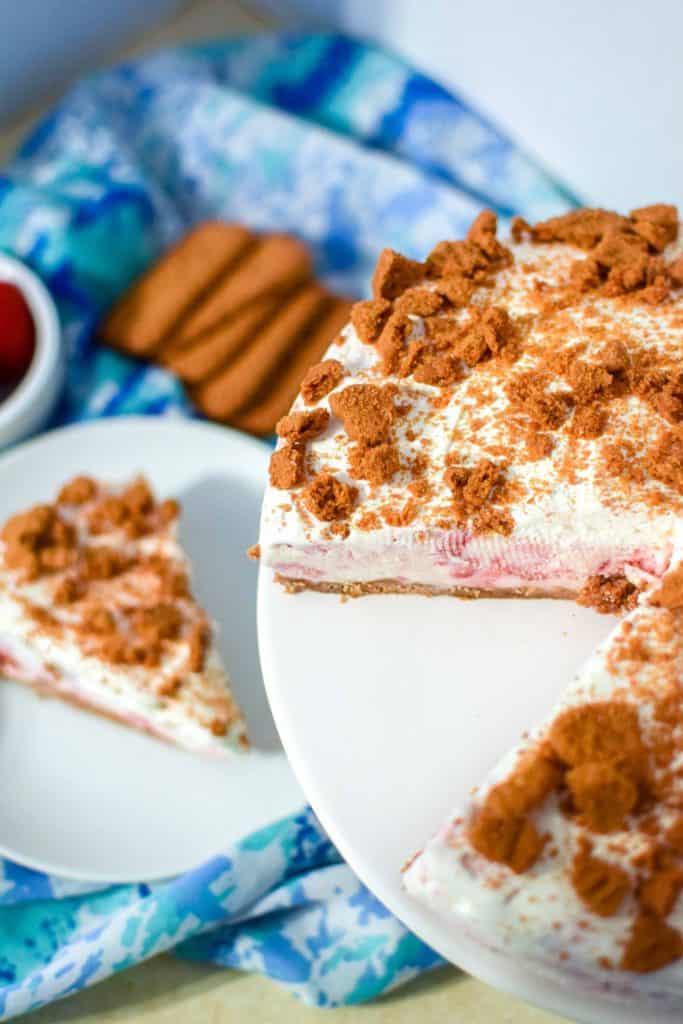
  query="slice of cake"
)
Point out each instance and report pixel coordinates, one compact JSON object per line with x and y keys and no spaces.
{"x":570,"y":857}
{"x":96,"y":608}
{"x":500,"y":418}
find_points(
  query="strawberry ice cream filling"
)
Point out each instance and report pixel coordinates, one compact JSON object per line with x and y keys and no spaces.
{"x":458,"y":559}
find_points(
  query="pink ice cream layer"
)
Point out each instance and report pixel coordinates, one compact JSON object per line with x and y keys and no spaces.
{"x":458,"y":558}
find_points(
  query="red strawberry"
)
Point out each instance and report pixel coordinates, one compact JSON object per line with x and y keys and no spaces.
{"x":17,"y":334}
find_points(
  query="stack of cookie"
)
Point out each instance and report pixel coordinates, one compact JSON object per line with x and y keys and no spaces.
{"x":236,"y":315}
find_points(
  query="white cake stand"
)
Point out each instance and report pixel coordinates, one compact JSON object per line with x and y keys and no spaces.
{"x":391,"y":708}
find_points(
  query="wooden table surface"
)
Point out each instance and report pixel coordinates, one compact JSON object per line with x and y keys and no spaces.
{"x":168,"y":991}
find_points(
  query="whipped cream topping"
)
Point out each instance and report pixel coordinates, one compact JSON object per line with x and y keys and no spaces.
{"x":537,"y":915}
{"x":571,"y":518}
{"x":79,"y":642}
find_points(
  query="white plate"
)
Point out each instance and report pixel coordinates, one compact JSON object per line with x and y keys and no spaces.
{"x":392,"y":707}
{"x":90,"y":799}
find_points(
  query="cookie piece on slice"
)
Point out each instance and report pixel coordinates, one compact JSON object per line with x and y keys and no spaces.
{"x":96,"y":608}
{"x":570,"y":856}
{"x":508,"y":414}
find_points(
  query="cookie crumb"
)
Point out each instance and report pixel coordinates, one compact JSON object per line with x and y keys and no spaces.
{"x":328,"y":498}
{"x":303,"y":426}
{"x":419,"y":302}
{"x":286,"y":468}
{"x":320,"y":379}
{"x":376,"y":464}
{"x":367,"y":412}
{"x":77,"y":491}
{"x":608,"y":595}
{"x":669,"y":594}
{"x":369,"y":317}
{"x":394,"y":273}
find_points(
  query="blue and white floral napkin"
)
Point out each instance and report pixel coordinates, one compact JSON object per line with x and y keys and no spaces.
{"x":351,"y":149}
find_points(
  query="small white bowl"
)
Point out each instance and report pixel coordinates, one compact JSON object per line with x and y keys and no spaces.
{"x":28,"y":407}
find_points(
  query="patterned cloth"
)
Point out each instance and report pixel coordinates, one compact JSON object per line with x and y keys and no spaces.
{"x":349,"y":148}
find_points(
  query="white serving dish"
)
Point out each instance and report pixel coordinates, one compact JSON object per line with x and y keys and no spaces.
{"x":28,"y":407}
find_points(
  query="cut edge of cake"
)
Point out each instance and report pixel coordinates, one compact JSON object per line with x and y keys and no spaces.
{"x":569,"y":857}
{"x":472,"y":430}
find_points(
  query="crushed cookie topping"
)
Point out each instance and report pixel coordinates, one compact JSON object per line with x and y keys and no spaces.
{"x":657,"y":224}
{"x":602,"y":731}
{"x":608,"y":594}
{"x":474,"y":487}
{"x":77,"y":491}
{"x":328,"y":498}
{"x":491,"y":519}
{"x":552,"y":360}
{"x":502,"y":830}
{"x":420,"y":302}
{"x":439,"y":369}
{"x":138,"y":499}
{"x":68,"y":590}
{"x":530,"y":393}
{"x":303,"y":426}
{"x":394,"y":273}
{"x":624,"y":251}
{"x":402,"y":515}
{"x":594,"y":752}
{"x":200,"y":635}
{"x":454,"y":268}
{"x":38,"y":542}
{"x":320,"y":380}
{"x":474,"y":258}
{"x":393,"y":340}
{"x":600,"y":885}
{"x":582,"y":228}
{"x":588,"y":421}
{"x":538,"y":445}
{"x":614,"y":357}
{"x":652,"y":944}
{"x":602,"y":794}
{"x":367,"y":412}
{"x":486,"y":336}
{"x":98,"y":619}
{"x":664,"y":460}
{"x":108,"y":514}
{"x":287,"y":466}
{"x":588,"y":381}
{"x":101,"y":562}
{"x":134,"y":511}
{"x":612,"y":773}
{"x":124,"y":604}
{"x":369,"y":318}
{"x":482,"y":233}
{"x":457,"y":290}
{"x":377,"y":464}
{"x":669,"y":594}
{"x":478,"y":495}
